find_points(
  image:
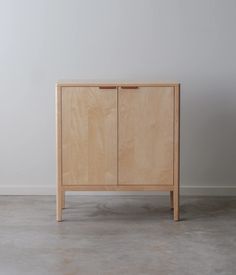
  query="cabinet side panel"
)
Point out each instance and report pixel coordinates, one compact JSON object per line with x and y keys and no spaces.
{"x":177,"y":136}
{"x":58,"y":134}
{"x":58,"y":154}
{"x":146,"y":136}
{"x":89,"y":136}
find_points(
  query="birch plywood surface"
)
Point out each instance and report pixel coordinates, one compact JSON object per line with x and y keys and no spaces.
{"x":89,"y":136}
{"x":146,"y":136}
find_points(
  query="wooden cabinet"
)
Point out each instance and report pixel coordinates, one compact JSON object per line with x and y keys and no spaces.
{"x":117,"y":137}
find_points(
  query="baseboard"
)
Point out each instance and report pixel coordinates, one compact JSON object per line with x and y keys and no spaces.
{"x":208,"y":190}
{"x":184,"y":190}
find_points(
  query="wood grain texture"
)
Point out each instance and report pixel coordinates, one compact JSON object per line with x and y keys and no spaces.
{"x":146,"y":136}
{"x":89,"y":136}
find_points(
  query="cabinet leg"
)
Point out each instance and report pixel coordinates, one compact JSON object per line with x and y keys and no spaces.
{"x":176,"y":204}
{"x":171,"y":200}
{"x":63,"y":199}
{"x":59,"y":205}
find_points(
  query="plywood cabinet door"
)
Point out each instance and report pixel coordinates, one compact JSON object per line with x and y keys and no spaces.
{"x":146,"y":135}
{"x":89,"y":136}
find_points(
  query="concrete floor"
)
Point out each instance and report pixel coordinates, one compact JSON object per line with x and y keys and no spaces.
{"x":113,"y":235}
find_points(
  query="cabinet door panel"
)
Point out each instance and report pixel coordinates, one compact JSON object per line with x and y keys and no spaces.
{"x":146,"y":119}
{"x":89,"y":136}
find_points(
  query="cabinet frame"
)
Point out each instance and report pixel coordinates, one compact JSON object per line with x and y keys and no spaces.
{"x":173,"y":189}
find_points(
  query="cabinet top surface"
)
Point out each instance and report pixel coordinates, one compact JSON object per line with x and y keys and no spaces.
{"x":113,"y":83}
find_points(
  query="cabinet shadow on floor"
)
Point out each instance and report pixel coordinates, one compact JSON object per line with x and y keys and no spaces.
{"x":137,"y":208}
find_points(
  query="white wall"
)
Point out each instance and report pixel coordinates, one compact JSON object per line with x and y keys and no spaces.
{"x":193,"y":42}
